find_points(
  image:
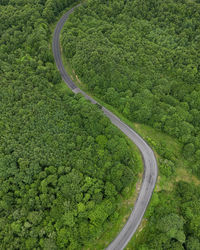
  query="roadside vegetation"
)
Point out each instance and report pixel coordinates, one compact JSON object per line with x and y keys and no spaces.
{"x":141,"y":59}
{"x":64,"y":168}
{"x":168,"y":152}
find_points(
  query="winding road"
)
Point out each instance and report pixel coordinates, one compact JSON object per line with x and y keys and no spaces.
{"x":149,"y":160}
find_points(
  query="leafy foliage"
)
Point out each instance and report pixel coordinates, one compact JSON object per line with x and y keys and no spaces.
{"x":174,"y":222}
{"x":142,"y":57}
{"x":58,"y":153}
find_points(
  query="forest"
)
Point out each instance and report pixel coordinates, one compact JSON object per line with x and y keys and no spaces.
{"x":63,"y":165}
{"x":142,"y":58}
{"x":174,"y":221}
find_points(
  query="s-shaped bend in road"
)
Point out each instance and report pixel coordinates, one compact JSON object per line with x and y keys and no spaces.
{"x":149,"y":160}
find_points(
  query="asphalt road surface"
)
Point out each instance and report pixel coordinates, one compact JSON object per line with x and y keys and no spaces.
{"x":149,"y":160}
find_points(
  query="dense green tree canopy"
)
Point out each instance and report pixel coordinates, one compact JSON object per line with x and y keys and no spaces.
{"x":174,"y":222}
{"x":142,"y":57}
{"x":60,"y":174}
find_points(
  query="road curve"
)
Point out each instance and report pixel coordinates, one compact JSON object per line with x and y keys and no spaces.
{"x":149,"y":160}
